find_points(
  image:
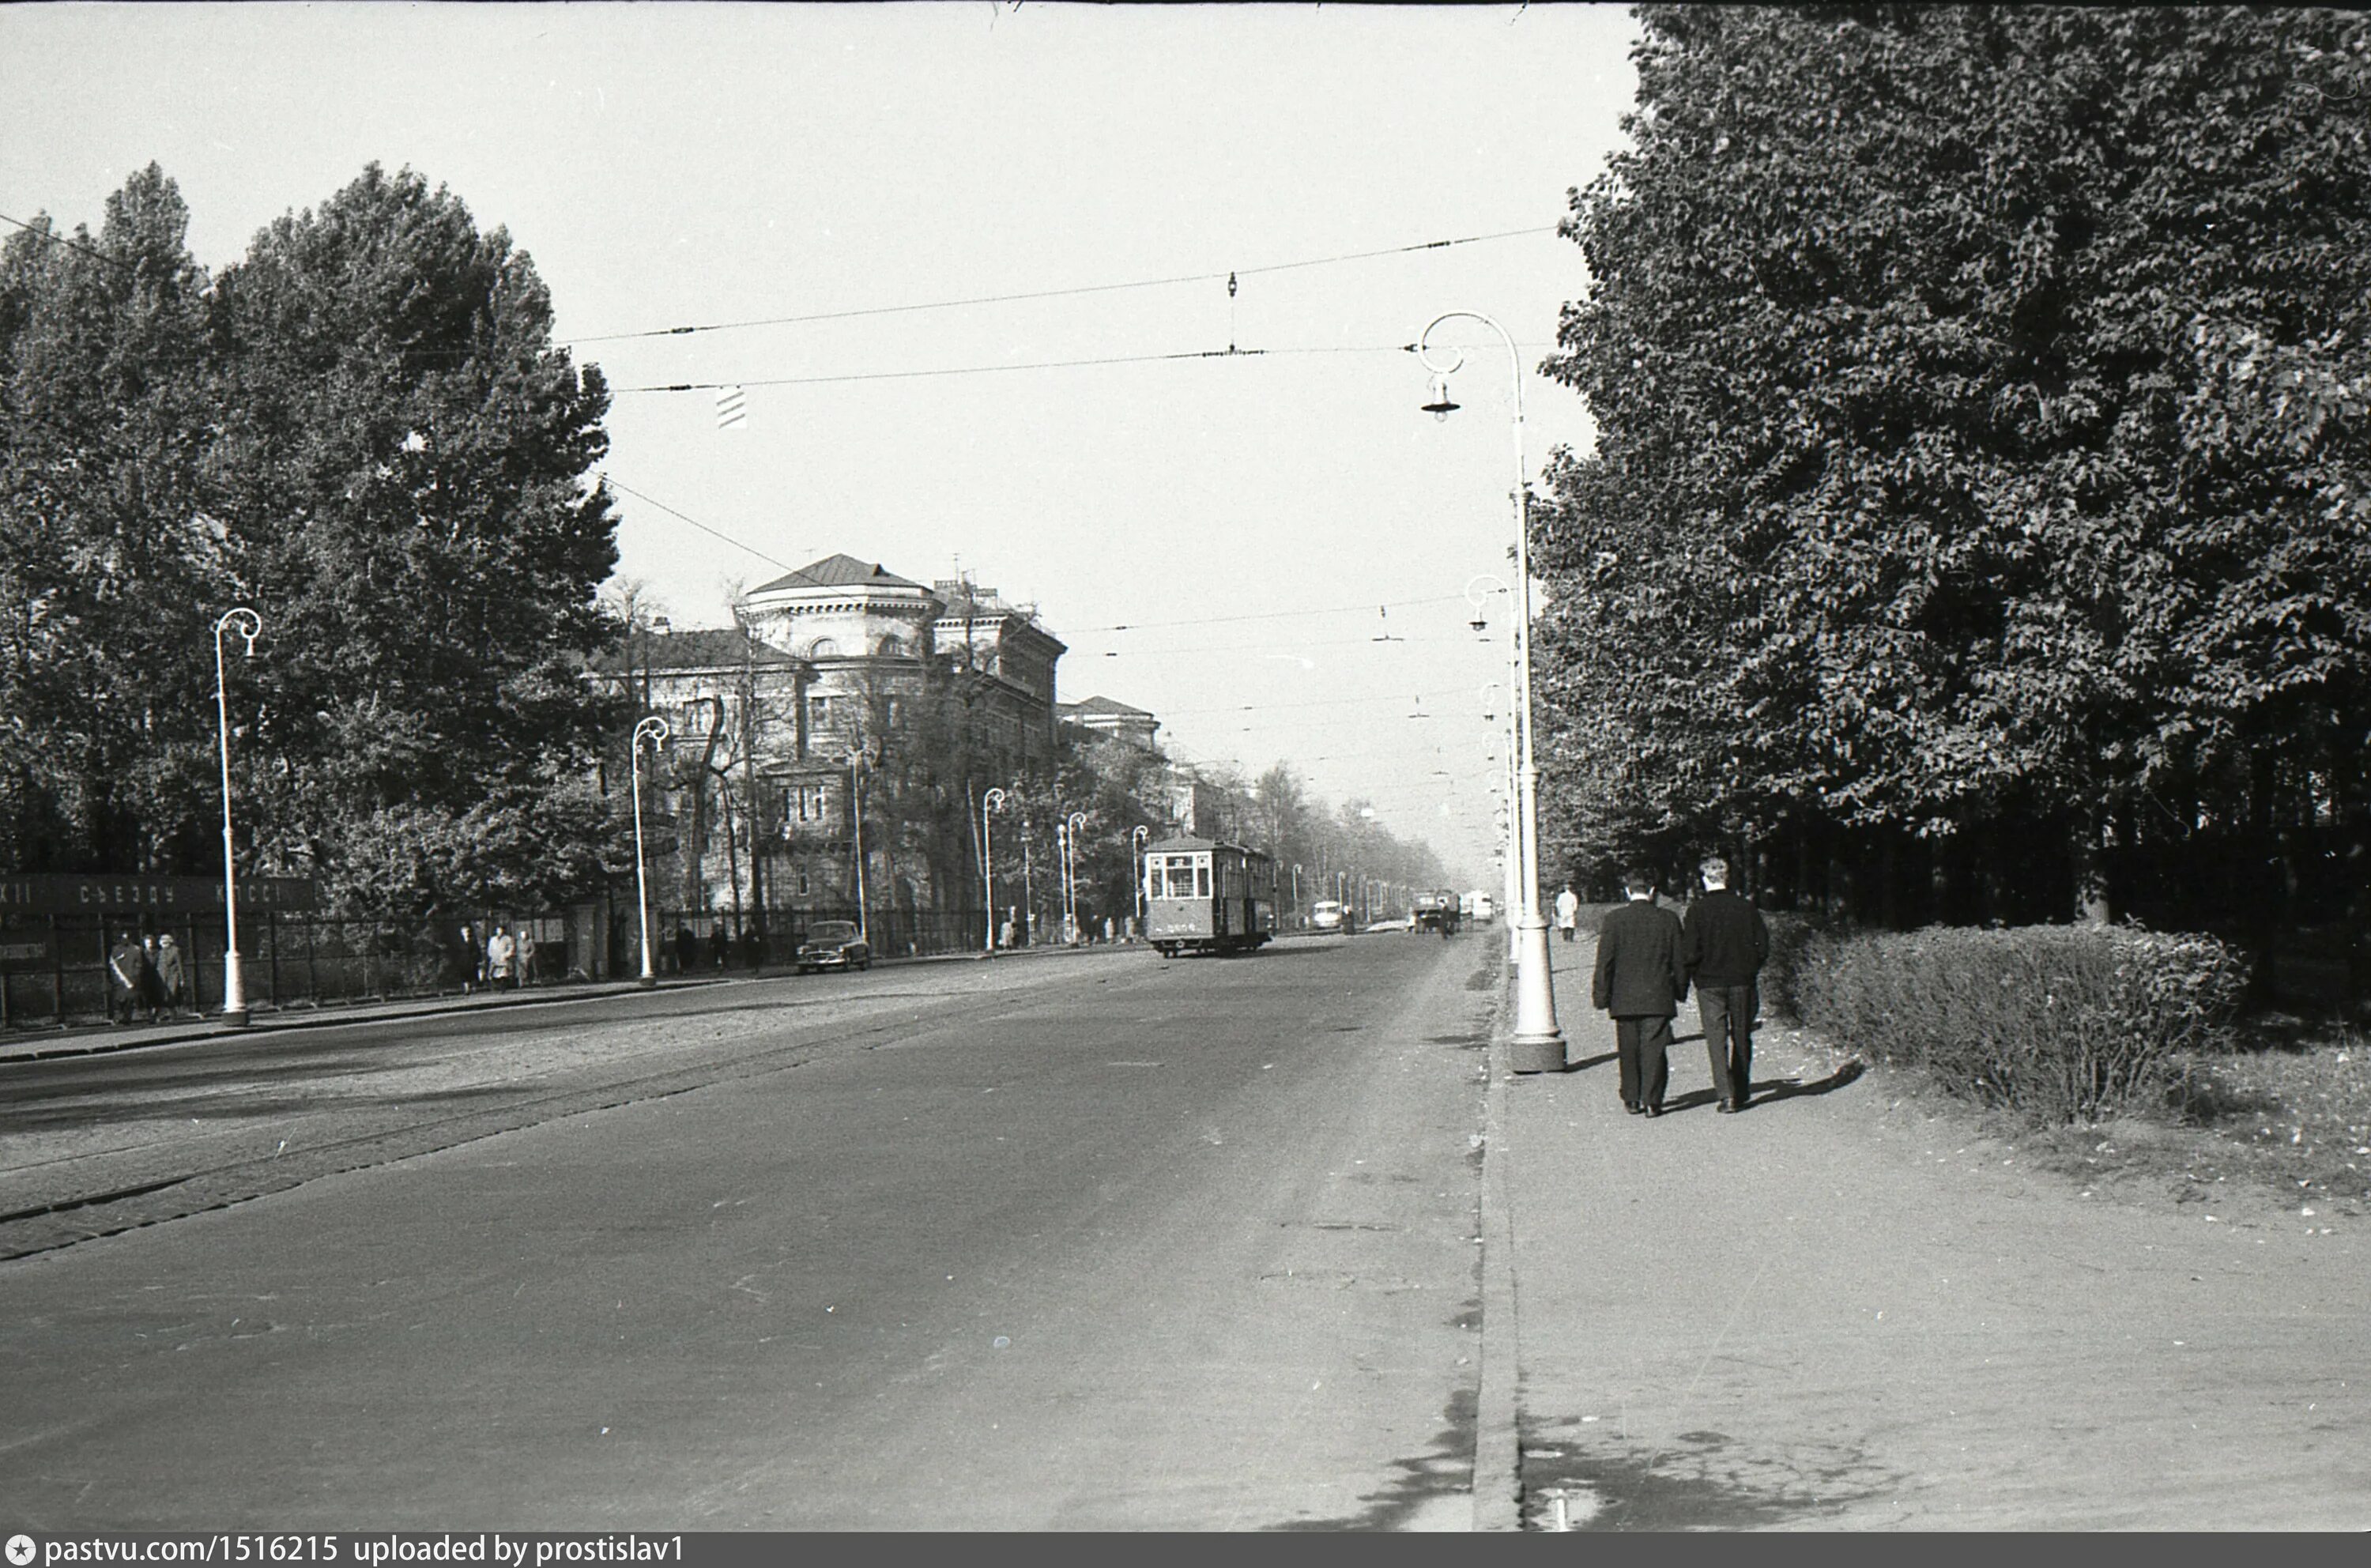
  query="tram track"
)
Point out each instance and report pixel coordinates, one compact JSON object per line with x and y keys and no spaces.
{"x":127,"y":1187}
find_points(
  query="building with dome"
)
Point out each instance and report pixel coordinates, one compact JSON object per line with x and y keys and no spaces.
{"x":850,"y":719}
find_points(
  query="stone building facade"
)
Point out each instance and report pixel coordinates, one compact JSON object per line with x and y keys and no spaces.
{"x":837,"y":716}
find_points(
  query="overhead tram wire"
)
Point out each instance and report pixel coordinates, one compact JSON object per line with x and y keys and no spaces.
{"x":69,"y":242}
{"x":624,"y":488}
{"x":1230,"y":351}
{"x":1049,"y":293}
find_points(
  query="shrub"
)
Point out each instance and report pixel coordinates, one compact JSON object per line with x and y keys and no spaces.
{"x":2054,"y":1023}
{"x":1790,"y":935}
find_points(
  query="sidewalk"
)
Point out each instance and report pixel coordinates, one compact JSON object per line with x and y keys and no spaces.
{"x":1828,"y":1313}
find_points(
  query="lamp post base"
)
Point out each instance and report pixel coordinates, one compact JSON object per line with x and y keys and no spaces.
{"x":234,"y":1018}
{"x":648,"y":982}
{"x":1538,"y":1044}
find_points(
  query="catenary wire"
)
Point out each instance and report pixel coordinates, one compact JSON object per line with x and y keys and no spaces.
{"x":1051,"y":294}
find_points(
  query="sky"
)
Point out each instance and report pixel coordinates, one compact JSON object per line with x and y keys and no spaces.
{"x":970,"y":264}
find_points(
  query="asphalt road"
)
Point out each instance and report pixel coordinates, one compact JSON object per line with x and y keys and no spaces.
{"x":1085,"y":1242}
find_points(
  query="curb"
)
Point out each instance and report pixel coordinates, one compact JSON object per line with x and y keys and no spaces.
{"x":1497,"y":1472}
{"x":97,"y":1039}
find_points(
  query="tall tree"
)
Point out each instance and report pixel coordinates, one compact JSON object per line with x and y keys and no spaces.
{"x":403,"y":474}
{"x":109,"y":576}
{"x":1979,"y":395}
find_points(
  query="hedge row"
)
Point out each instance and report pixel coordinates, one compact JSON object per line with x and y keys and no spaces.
{"x":2055,"y":1023}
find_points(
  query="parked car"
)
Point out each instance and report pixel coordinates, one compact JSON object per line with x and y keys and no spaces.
{"x":834,"y":944}
{"x":1328,"y":915}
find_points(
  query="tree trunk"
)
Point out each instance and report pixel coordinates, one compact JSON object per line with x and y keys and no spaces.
{"x":2088,"y":860}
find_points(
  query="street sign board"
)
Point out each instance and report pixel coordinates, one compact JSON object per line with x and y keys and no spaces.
{"x":24,"y":950}
{"x":66,"y":893}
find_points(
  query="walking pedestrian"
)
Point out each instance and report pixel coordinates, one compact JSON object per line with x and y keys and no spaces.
{"x":526,"y":955}
{"x":687,"y":950}
{"x":1567,"y":911}
{"x":1639,"y":982}
{"x":151,"y":985}
{"x":172,"y":976}
{"x":123,"y":964}
{"x":500,"y":950}
{"x":1725,"y":943}
{"x":719,"y":946}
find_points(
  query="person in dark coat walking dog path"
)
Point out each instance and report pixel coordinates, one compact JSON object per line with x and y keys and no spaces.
{"x":1726,"y":943}
{"x":1640,"y":980}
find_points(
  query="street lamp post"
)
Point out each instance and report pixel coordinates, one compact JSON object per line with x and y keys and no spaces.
{"x":1135,"y":839}
{"x":250,"y":625}
{"x":856,"y":828}
{"x":1071,"y":826}
{"x":1510,"y":894}
{"x":653,"y":729}
{"x":1028,"y":889}
{"x":1297,"y":922}
{"x":1510,"y":898}
{"x":1538,"y":1044}
{"x":991,"y":802}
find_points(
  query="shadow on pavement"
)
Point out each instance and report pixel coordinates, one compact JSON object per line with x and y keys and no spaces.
{"x":1793,"y":1088}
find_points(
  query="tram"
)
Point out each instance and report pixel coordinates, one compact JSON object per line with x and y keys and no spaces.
{"x":1204,"y":896}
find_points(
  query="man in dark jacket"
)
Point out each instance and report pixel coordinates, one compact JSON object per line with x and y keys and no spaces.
{"x":1640,"y":979}
{"x":1726,"y":945}
{"x":126,"y":964}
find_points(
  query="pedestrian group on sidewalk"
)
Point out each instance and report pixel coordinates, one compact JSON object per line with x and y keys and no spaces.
{"x":1646,"y":960}
{"x":145,"y":975}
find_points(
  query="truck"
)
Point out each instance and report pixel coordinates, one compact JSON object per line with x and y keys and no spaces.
{"x":1437,"y":910}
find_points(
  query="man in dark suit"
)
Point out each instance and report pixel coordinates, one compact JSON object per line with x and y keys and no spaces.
{"x":1640,"y":979}
{"x":1727,"y":942}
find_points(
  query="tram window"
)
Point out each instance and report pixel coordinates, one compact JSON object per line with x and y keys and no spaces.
{"x":1202,"y":882}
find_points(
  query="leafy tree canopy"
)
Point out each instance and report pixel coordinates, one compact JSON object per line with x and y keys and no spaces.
{"x":363,"y":430}
{"x":1981,"y":399}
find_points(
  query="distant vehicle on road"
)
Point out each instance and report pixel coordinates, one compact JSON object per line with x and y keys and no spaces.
{"x":1437,"y":910}
{"x":1204,"y":896}
{"x":1329,"y":914}
{"x":834,"y":944}
{"x":1394,"y":923}
{"x":1479,"y":908}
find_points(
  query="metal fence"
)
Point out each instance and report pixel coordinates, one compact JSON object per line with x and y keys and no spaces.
{"x":59,"y":972}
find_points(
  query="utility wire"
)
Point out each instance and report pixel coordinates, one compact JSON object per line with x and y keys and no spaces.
{"x":1052,"y":293}
{"x":56,"y":238}
{"x":1230,"y":351}
{"x":696,"y":522}
{"x":1266,"y":614}
{"x":615,"y":484}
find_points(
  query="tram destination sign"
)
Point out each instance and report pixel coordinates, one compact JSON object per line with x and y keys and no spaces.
{"x":66,"y":893}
